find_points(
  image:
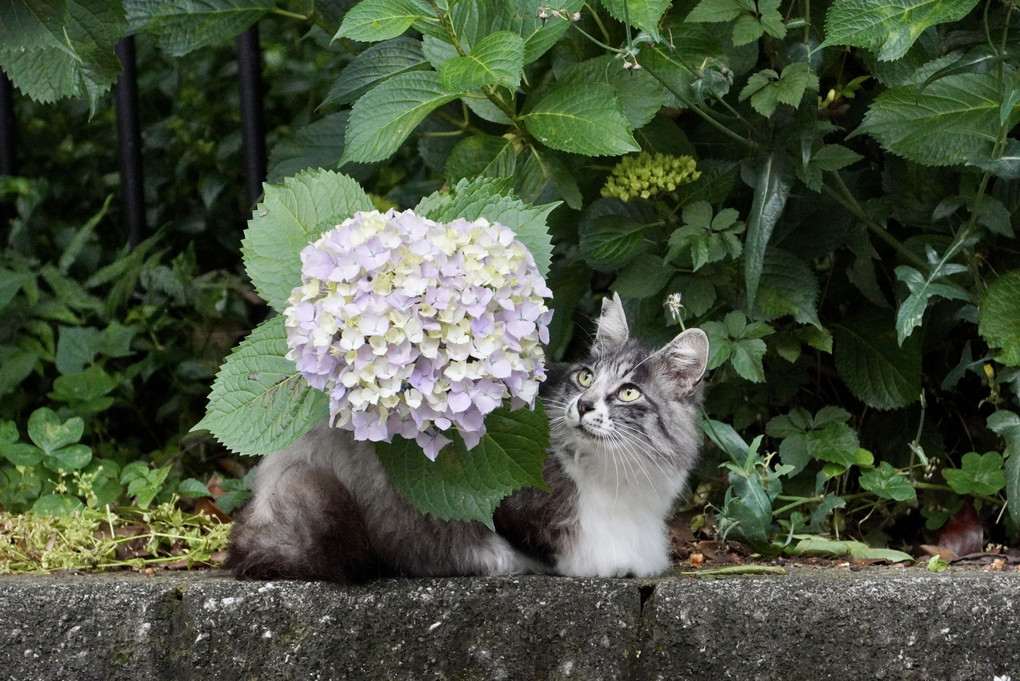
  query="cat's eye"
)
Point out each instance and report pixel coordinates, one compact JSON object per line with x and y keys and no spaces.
{"x":585,"y":377}
{"x":629,"y":393}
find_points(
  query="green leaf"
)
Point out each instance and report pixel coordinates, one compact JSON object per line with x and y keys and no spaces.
{"x":15,"y":366}
{"x":1006,"y":166}
{"x":610,"y":241}
{"x":821,"y":546}
{"x":496,"y":59}
{"x":637,"y":90}
{"x":488,"y":198}
{"x":63,"y":48}
{"x":824,"y":437}
{"x":888,"y":483}
{"x":999,"y":317}
{"x":49,"y":433}
{"x":713,"y":11}
{"x":886,"y":27}
{"x":481,"y":156}
{"x":193,"y":488}
{"x":21,"y":454}
{"x":738,"y":342}
{"x":186,"y":25}
{"x":378,"y":63}
{"x":788,"y":286}
{"x":259,"y":403}
{"x":385,"y":116}
{"x":1007,"y":425}
{"x":879,"y":371}
{"x":289,"y":217}
{"x":544,"y":177}
{"x":84,"y":387}
{"x":375,"y":20}
{"x":771,"y":178}
{"x":767,"y":89}
{"x":320,"y":144}
{"x":952,"y":121}
{"x":522,"y":17}
{"x":980,"y":474}
{"x":585,"y":119}
{"x":468,"y":485}
{"x":645,"y":14}
{"x":69,"y":458}
{"x":923,"y":289}
{"x":57,"y":504}
{"x":642,"y":277}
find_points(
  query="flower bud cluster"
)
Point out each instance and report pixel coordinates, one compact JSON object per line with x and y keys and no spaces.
{"x":413,"y":326}
{"x":647,"y":175}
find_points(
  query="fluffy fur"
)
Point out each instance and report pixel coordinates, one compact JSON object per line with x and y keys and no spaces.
{"x":623,"y":439}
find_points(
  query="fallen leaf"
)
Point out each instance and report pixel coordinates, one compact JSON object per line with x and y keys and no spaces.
{"x":930,"y":550}
{"x":963,"y":534}
{"x":697,"y":560}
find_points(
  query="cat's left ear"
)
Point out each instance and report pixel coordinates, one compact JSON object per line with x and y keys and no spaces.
{"x":685,"y":358}
{"x":612,"y":328}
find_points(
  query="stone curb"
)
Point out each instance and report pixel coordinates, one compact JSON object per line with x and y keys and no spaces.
{"x":824,"y":624}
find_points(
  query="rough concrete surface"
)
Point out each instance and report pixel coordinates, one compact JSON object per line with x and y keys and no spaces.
{"x":874,"y":624}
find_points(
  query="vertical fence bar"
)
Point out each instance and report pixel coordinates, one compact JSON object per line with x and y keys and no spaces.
{"x":129,"y":141}
{"x":253,"y":136}
{"x":8,"y":158}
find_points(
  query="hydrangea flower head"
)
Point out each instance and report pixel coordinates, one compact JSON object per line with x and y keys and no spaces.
{"x":646,"y":175}
{"x":413,"y":326}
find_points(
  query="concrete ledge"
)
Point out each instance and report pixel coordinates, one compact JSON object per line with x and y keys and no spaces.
{"x":883,"y":624}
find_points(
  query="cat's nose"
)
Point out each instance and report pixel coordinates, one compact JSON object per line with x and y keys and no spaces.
{"x":583,"y":407}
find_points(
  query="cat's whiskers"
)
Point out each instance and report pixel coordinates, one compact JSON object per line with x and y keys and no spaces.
{"x":648,"y":450}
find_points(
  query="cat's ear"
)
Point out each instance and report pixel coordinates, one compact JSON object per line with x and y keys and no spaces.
{"x":684,"y":359}
{"x":612,"y":328}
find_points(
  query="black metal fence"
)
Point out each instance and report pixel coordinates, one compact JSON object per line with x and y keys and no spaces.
{"x":129,"y":139}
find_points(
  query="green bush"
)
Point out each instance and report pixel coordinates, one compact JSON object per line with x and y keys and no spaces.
{"x":845,"y":235}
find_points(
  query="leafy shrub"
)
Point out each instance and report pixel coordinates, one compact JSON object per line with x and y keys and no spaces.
{"x":848,"y":243}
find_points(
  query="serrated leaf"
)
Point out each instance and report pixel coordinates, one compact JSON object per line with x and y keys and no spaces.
{"x":289,"y":217}
{"x":878,"y":371}
{"x":888,"y":483}
{"x":788,"y":286}
{"x":637,"y":90}
{"x":53,"y":50}
{"x":583,"y":119}
{"x":1007,"y":425}
{"x":384,"y":117}
{"x":481,"y":156}
{"x":767,"y":89}
{"x":771,"y":179}
{"x":376,"y":64}
{"x":999,"y":317}
{"x":645,"y":14}
{"x":488,"y":198}
{"x":193,"y":488}
{"x":644,"y":276}
{"x":375,"y":20}
{"x":186,"y":25}
{"x":496,"y":59}
{"x":542,"y":177}
{"x":259,"y":403}
{"x":886,"y":27}
{"x":522,"y":17}
{"x":826,"y":437}
{"x":468,"y":485}
{"x":952,"y":121}
{"x":922,"y":290}
{"x":320,"y":144}
{"x":712,"y":11}
{"x":610,"y":241}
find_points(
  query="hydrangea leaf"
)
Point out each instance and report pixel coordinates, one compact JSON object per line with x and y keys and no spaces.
{"x":375,"y":20}
{"x":543,"y":176}
{"x":888,"y":483}
{"x":497,"y":59}
{"x":1007,"y":166}
{"x":376,"y":64}
{"x":467,"y":484}
{"x":481,"y":156}
{"x":879,"y":371}
{"x":640,"y":93}
{"x":320,"y":144}
{"x":611,"y":241}
{"x":259,"y":403}
{"x":980,"y":474}
{"x":53,"y":50}
{"x":581,"y":118}
{"x":999,"y":317}
{"x":289,"y":217}
{"x":186,"y":25}
{"x":888,"y":28}
{"x":384,"y":117}
{"x":953,"y":120}
{"x":539,"y":34}
{"x":489,"y":198}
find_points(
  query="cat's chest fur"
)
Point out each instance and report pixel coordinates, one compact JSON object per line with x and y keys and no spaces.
{"x":619,"y":525}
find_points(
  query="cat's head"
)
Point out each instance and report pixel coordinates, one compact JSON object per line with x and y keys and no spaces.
{"x":630,"y":403}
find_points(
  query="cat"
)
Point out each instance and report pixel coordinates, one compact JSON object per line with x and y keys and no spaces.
{"x":623,"y":438}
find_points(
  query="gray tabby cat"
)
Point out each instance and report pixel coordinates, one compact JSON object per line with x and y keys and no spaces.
{"x":623,"y":438}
